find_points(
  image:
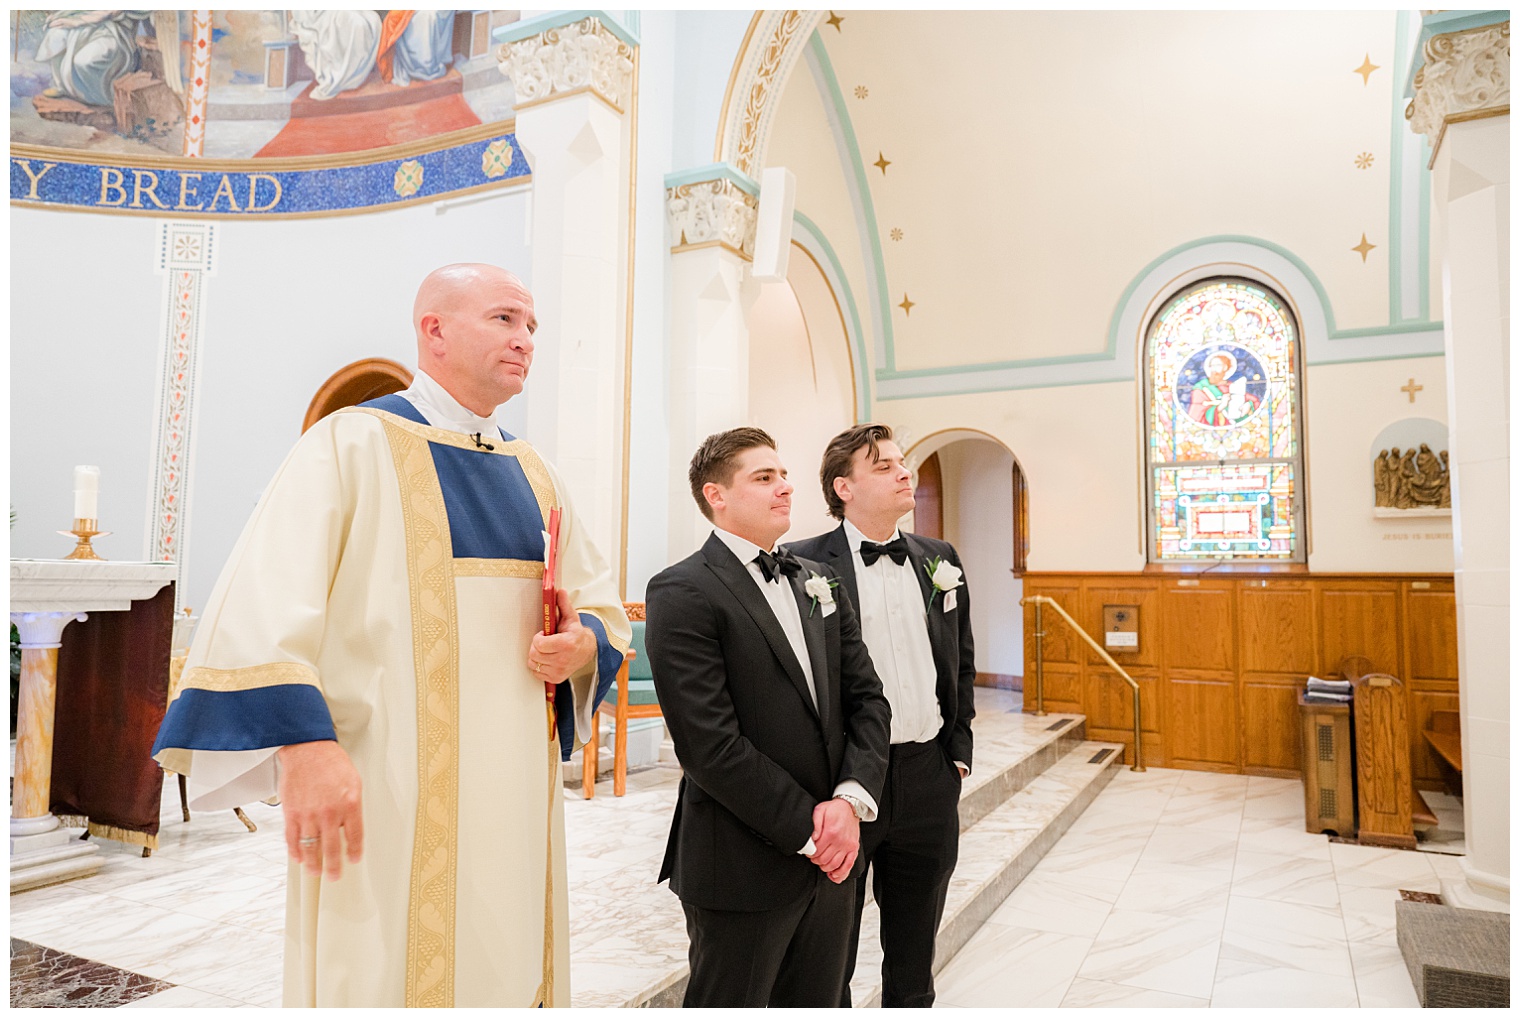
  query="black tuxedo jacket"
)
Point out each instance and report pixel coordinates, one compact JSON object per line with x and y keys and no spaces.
{"x":757,"y":754}
{"x":949,"y":632}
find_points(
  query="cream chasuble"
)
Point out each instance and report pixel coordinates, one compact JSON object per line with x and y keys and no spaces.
{"x":385,"y":593}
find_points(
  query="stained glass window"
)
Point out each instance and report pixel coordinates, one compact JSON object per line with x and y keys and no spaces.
{"x":1223,"y":426}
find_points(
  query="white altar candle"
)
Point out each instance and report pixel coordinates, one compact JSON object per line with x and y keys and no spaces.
{"x":86,"y":493}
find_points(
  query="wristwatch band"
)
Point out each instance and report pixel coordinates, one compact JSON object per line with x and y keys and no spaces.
{"x":858,"y":807}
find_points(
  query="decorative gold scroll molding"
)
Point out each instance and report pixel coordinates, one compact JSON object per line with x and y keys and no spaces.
{"x":1465,"y":77}
{"x":770,"y":50}
{"x":581,"y":57}
{"x":709,"y":213}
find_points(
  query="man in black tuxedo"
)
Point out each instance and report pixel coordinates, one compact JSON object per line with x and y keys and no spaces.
{"x":916,"y":620}
{"x":781,"y":727}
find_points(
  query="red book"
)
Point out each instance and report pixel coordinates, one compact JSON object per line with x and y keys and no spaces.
{"x":551,"y":606}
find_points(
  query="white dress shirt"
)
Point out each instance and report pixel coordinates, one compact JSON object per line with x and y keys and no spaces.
{"x":783,"y":603}
{"x":895,"y":626}
{"x":444,"y":411}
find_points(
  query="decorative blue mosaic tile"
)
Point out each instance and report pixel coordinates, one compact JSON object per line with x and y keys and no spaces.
{"x":63,"y":181}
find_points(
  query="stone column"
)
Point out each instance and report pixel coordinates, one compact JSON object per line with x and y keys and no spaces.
{"x":575,"y":83}
{"x":1461,"y":105}
{"x":711,"y":213}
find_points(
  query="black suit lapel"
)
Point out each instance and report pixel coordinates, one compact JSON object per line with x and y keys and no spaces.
{"x":812,"y":632}
{"x":843,"y":561}
{"x":739,"y":581}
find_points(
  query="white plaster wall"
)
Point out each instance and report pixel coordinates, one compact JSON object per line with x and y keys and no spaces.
{"x":649,"y":466}
{"x":291,"y":302}
{"x":708,"y":44}
{"x":976,"y":479}
{"x":799,"y":395}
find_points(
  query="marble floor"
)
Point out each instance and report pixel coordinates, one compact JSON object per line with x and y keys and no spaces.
{"x":1174,"y":887}
{"x":1189,"y":889}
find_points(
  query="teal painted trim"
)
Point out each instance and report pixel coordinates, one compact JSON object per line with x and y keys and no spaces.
{"x":519,"y":30}
{"x":972,"y":390}
{"x":635,"y":21}
{"x":1441,"y":24}
{"x":1396,"y":183}
{"x":1111,"y":345}
{"x":857,"y":336}
{"x":863,"y":192}
{"x":1390,"y":357}
{"x":713,"y":171}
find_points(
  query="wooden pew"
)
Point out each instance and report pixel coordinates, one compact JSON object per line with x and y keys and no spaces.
{"x":1445,"y":737}
{"x":1385,"y":783}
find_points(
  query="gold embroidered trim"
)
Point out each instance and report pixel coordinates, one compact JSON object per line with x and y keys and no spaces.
{"x":515,"y":568}
{"x":139,"y":838}
{"x":430,"y":924}
{"x":238,"y":680}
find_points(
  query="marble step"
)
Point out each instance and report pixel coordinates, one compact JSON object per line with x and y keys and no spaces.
{"x":996,"y":853}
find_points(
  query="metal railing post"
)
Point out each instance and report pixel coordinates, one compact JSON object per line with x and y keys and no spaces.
{"x":1039,"y":662}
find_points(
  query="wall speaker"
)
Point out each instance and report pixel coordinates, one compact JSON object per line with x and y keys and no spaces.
{"x":773,"y":225}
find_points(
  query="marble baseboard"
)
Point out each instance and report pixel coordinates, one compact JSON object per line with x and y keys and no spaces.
{"x":43,"y":977}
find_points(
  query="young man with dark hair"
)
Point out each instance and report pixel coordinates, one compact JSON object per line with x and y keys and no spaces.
{"x":781,"y":727}
{"x":916,"y":620}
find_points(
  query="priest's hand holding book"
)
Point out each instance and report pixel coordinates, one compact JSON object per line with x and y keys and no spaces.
{"x":553,"y":659}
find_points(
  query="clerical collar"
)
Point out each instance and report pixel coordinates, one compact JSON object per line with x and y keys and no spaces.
{"x":444,"y":411}
{"x":853,"y":536}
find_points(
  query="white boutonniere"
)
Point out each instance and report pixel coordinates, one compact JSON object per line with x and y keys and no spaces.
{"x":943,"y":575}
{"x":821,"y":590}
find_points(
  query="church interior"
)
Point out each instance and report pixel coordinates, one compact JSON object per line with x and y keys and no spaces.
{"x":1198,"y":351}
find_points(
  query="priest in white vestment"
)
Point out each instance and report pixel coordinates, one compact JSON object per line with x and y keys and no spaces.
{"x":374,"y":653}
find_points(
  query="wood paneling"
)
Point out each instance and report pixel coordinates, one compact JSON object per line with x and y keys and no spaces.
{"x":1222,"y":658}
{"x":1426,"y":698}
{"x":1360,"y":622}
{"x":1432,"y":647}
{"x":1277,"y":629}
{"x":1269,"y":724}
{"x":1201,"y":722}
{"x":1199,"y":623}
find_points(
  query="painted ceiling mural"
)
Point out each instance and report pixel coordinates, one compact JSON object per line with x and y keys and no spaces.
{"x":250,"y":84}
{"x":272,"y":114}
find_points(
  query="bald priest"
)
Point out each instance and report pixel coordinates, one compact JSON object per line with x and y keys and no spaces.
{"x":374,"y":653}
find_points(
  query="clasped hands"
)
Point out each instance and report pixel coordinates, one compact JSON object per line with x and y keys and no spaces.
{"x":553,"y":659}
{"x":836,"y":838}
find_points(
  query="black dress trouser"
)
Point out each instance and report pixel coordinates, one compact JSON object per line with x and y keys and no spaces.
{"x":911,"y":848}
{"x":791,"y":956}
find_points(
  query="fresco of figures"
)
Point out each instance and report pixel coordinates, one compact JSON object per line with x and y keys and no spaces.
{"x":277,"y":83}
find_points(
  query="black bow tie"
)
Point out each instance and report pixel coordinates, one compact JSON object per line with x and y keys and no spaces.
{"x":896,"y":550}
{"x":772,"y":566}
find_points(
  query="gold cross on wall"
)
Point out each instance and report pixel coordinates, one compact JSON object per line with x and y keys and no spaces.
{"x":1411,"y":388}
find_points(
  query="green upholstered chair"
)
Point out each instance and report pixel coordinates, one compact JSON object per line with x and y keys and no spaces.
{"x":632,"y":696}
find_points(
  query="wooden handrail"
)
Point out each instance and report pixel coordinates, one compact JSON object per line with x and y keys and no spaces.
{"x":1040,"y":601}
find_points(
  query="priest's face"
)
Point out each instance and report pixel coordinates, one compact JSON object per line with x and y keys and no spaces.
{"x":756,"y":503}
{"x":488,"y":342}
{"x":879,"y":486}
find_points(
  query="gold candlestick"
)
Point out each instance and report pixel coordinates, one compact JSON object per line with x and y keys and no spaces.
{"x":84,"y":530}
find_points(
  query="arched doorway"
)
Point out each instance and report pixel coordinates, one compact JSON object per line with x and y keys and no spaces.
{"x":971,"y":492}
{"x":357,"y":383}
{"x":801,"y":380}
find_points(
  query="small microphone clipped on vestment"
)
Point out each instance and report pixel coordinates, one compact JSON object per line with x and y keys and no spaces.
{"x":482,"y":445}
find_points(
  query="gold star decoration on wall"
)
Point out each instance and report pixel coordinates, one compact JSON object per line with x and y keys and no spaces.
{"x":1366,"y":69}
{"x":907,"y":305}
{"x":1364,"y":160}
{"x":881,"y":163}
{"x":897,"y":233}
{"x":861,"y":91}
{"x":835,"y":20}
{"x":1363,"y":248}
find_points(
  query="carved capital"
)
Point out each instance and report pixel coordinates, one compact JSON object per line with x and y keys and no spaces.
{"x":1465,"y":76}
{"x":581,"y":57}
{"x":712,"y":212}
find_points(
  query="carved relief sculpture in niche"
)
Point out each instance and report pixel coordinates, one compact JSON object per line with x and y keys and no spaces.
{"x":1411,"y":479}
